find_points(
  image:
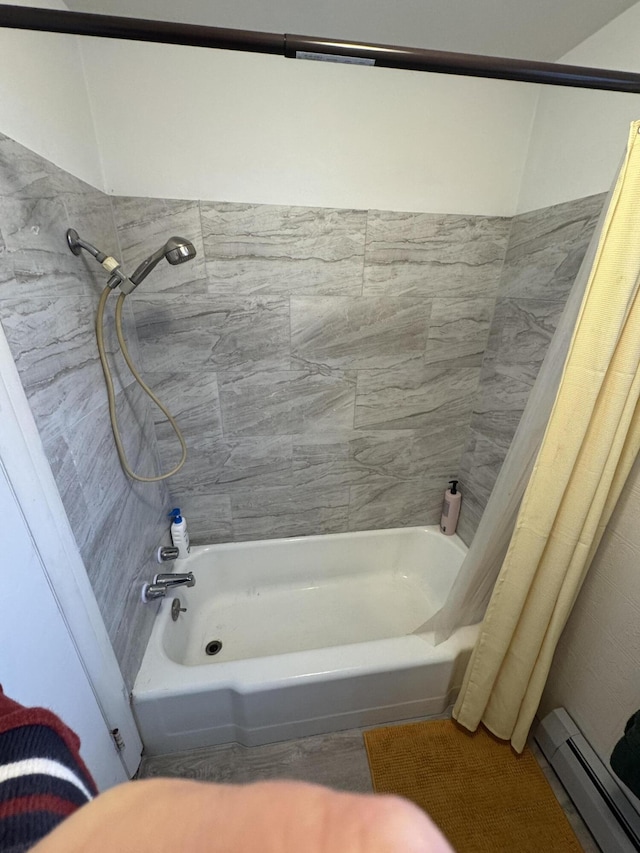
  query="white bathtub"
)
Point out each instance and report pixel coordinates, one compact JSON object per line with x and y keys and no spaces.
{"x":317,"y":636}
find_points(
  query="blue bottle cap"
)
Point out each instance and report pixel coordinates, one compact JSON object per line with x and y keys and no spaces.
{"x":175,"y":516}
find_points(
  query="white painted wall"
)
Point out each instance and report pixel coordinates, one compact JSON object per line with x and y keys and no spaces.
{"x":189,"y":123}
{"x":579,"y":136}
{"x":595,"y":671}
{"x":255,"y":128}
{"x":43,"y":98}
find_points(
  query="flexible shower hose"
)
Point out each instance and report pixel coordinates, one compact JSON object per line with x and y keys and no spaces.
{"x":112,"y":396}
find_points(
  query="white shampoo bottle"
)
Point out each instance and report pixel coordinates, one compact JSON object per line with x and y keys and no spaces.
{"x":450,"y":509}
{"x":179,"y":533}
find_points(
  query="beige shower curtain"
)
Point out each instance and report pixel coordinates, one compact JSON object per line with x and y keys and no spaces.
{"x":590,"y":443}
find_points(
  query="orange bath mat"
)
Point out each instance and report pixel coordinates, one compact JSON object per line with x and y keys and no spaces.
{"x":484,"y":796}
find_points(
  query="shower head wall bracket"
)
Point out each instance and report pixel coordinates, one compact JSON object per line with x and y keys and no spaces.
{"x":117,"y":278}
{"x":77,"y":244}
{"x":73,"y":241}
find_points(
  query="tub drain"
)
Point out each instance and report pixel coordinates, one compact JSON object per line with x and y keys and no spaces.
{"x":213,"y":647}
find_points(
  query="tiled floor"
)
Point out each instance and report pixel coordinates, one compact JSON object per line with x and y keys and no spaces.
{"x":338,"y":760}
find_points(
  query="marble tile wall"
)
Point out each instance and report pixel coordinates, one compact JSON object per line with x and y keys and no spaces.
{"x":544,"y":253}
{"x":48,"y":301}
{"x":322,"y":363}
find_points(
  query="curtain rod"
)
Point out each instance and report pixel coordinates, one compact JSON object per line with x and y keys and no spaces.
{"x":309,"y":47}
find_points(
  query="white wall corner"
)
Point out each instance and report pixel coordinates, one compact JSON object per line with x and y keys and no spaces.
{"x":579,"y":135}
{"x":45,"y":102}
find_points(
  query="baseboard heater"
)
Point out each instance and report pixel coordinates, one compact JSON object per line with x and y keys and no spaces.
{"x":610,"y":815}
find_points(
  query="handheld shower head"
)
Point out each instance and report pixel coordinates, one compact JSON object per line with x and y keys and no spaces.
{"x":176,"y":250}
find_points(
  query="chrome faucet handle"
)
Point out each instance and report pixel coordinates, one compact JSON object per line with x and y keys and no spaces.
{"x":171,"y":580}
{"x":166,"y":553}
{"x":151,"y":591}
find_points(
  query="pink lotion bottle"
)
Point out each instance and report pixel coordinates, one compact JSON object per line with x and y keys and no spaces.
{"x":450,"y":509}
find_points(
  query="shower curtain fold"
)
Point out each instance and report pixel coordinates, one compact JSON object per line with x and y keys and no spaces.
{"x":590,"y":443}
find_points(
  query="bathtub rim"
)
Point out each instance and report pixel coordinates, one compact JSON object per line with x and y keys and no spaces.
{"x":429,"y":529}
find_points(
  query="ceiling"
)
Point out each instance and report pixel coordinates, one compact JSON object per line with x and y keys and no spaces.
{"x":528,"y":29}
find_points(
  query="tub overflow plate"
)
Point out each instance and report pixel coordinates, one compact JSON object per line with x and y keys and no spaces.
{"x":176,"y":610}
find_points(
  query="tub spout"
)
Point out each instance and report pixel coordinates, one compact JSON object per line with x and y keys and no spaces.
{"x":168,"y":581}
{"x":161,"y":583}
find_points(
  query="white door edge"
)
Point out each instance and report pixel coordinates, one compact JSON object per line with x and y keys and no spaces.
{"x":32,"y":481}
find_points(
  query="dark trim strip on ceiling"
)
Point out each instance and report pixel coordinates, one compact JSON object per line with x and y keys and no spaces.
{"x":307,"y":47}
